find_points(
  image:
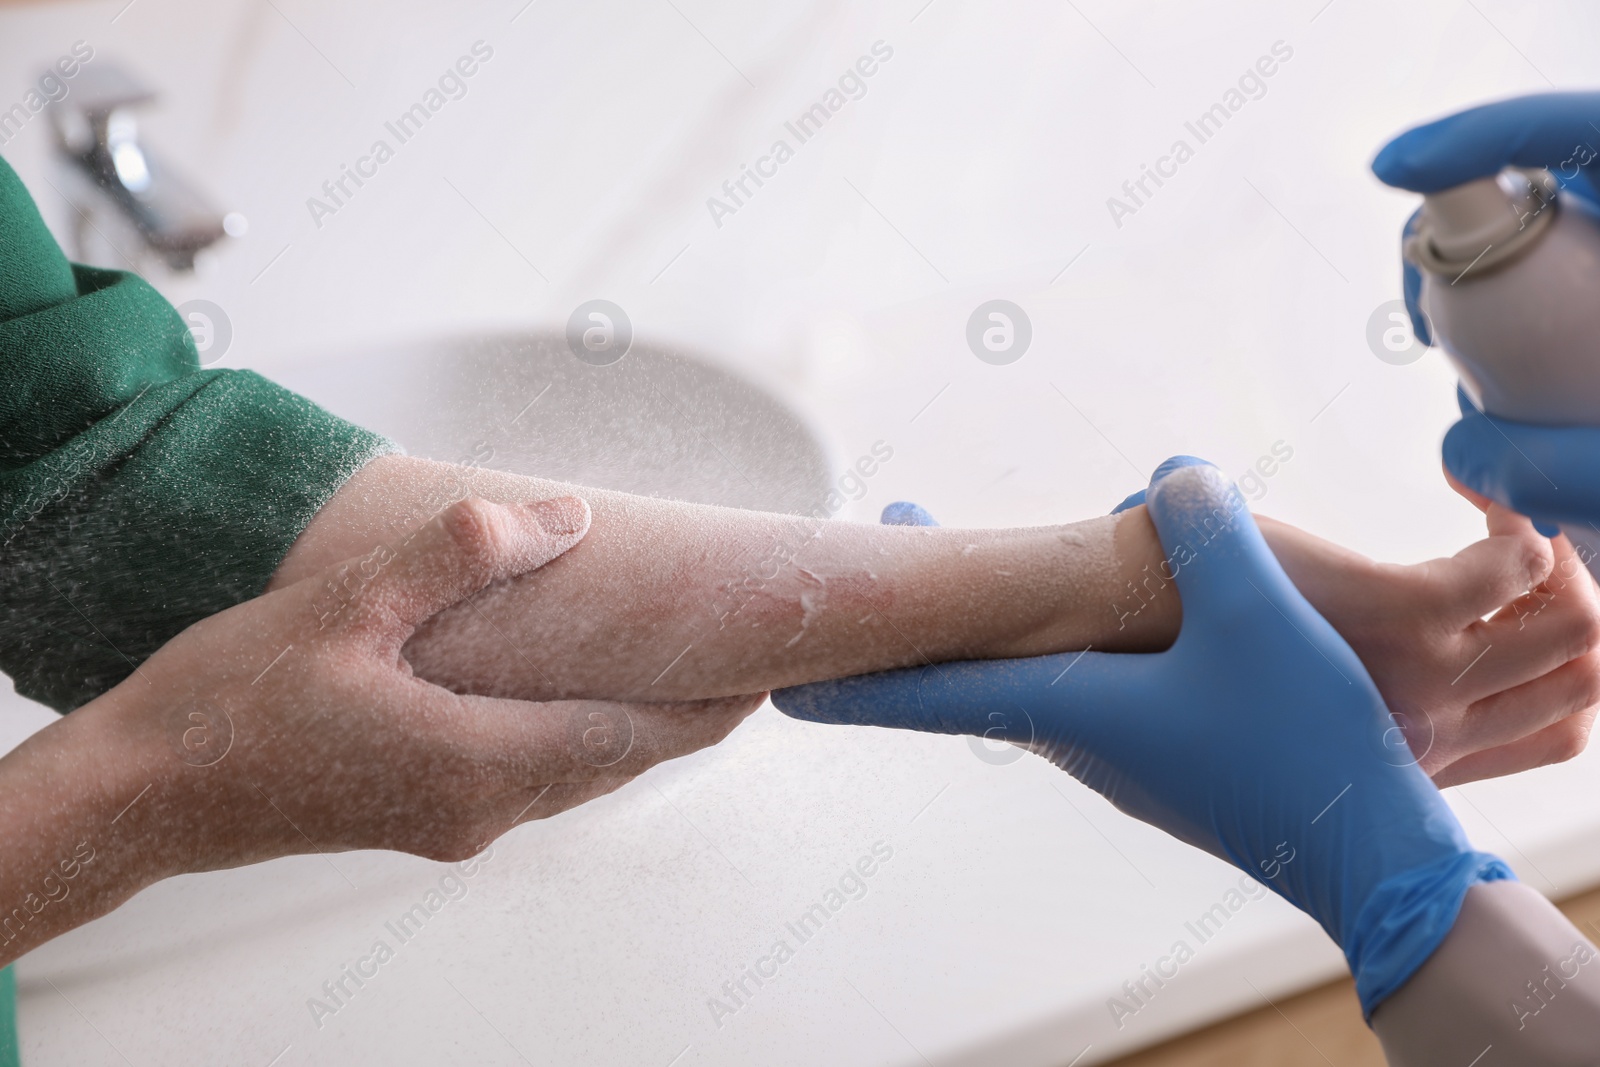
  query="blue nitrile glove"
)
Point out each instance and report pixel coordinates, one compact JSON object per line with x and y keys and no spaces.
{"x":1257,"y":736}
{"x":1551,"y":130}
{"x":904,"y":513}
{"x":1549,"y":473}
{"x":1133,"y":500}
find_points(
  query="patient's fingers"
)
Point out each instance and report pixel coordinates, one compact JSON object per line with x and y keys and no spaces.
{"x":1489,"y":574}
{"x":553,"y":756}
{"x":559,"y":797}
{"x":534,"y":803}
{"x":1472,"y":496}
{"x":466,"y":547}
{"x":1554,"y":744}
{"x":584,"y":740}
{"x":1557,"y":622}
{"x":1525,"y":710}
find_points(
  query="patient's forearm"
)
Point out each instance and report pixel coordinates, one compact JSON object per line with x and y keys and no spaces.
{"x":665,"y":601}
{"x":68,"y":855}
{"x":1514,"y":975}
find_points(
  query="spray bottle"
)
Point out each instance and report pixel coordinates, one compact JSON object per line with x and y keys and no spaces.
{"x":1511,"y":289}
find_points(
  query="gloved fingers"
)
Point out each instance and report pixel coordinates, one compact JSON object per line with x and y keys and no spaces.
{"x":1486,"y":504}
{"x":905,"y":513}
{"x":1585,"y":186}
{"x":1541,"y":130}
{"x":1470,"y":412}
{"x":1166,"y":468}
{"x":1231,"y":585}
{"x":1472,"y":496}
{"x":1526,"y":468}
{"x":986,"y":698}
{"x":1132,"y":500}
{"x":1556,"y":743}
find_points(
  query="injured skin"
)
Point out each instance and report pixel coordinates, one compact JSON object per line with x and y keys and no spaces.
{"x":664,"y":598}
{"x":671,"y":601}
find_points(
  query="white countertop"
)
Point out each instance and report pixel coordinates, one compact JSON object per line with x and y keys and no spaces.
{"x":1227,"y":314}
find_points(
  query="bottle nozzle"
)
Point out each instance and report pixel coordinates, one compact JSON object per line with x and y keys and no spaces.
{"x":1485,"y":220}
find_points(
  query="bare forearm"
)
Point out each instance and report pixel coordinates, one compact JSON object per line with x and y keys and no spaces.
{"x":1514,"y":976}
{"x":666,"y":601}
{"x":72,"y":853}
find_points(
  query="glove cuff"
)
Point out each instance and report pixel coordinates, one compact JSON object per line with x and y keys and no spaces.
{"x":1407,"y":917}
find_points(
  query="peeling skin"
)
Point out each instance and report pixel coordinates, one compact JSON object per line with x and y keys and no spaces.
{"x":811,"y":603}
{"x":666,"y":601}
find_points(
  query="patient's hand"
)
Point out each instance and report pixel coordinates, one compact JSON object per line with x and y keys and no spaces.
{"x":292,"y":724}
{"x":1490,"y":659}
{"x":340,"y":746}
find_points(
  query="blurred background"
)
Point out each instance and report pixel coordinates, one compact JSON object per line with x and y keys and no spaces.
{"x":1238,"y":309}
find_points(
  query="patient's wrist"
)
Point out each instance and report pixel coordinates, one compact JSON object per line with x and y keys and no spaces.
{"x":1513,"y":973}
{"x":1142,"y":613}
{"x":77,"y":842}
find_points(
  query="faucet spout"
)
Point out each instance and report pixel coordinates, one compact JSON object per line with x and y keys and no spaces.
{"x":115,"y":174}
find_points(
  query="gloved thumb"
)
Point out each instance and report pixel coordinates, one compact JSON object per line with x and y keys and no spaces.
{"x":1166,"y":468}
{"x":1212,"y":547}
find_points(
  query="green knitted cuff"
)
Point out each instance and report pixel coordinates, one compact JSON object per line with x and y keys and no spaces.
{"x":10,"y":1055}
{"x":175,"y":507}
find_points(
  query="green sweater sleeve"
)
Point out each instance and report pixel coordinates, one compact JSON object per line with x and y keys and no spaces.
{"x":138,"y":493}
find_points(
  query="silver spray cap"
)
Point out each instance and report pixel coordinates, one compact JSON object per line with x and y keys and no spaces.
{"x":1481,"y":224}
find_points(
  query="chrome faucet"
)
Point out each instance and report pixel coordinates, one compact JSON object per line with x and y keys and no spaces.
{"x":120,"y":192}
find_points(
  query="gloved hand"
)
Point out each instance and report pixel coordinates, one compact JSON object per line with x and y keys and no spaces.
{"x":1552,"y":475}
{"x":1551,"y":130}
{"x":1549,"y":473}
{"x":1258,"y":736}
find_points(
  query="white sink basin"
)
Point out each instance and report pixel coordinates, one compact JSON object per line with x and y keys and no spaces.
{"x":655,"y":422}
